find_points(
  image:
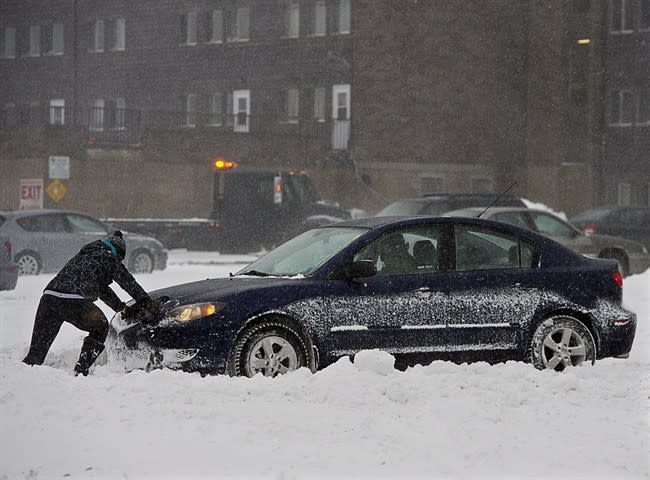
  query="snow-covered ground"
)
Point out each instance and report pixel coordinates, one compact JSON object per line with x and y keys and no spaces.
{"x":351,"y":420}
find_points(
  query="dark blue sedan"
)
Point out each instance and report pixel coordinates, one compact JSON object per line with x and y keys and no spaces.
{"x":420,"y":288}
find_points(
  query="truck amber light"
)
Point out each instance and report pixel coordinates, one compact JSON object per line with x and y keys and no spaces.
{"x":618,"y":278}
{"x":221,"y":164}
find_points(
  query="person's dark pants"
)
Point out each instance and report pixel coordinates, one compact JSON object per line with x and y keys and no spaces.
{"x":52,"y":312}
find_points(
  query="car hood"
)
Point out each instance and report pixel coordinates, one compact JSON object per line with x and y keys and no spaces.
{"x":221,"y":288}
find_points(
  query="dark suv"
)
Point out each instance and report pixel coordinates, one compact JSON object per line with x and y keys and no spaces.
{"x":438,"y":204}
{"x":627,"y":222}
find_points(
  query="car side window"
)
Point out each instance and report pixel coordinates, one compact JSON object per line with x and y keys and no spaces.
{"x":551,"y":226}
{"x":483,"y":249}
{"x":43,"y":223}
{"x":405,"y":252}
{"x":80,"y":223}
{"x":512,"y":218}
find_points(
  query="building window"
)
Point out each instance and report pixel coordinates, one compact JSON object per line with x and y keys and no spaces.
{"x":10,"y":119}
{"x":215,"y":113}
{"x":97,"y":36}
{"x":644,"y":18}
{"x":57,"y":111}
{"x":292,"y":105}
{"x":621,"y":16}
{"x":344,"y":20}
{"x":34,"y":41}
{"x":644,"y":106}
{"x":56,"y":44}
{"x":239,"y":31}
{"x":96,"y":120}
{"x":9,"y":43}
{"x":190,"y":103}
{"x":216,"y":26}
{"x":624,"y":194}
{"x":319,"y":104}
{"x":621,"y":108}
{"x":320,"y":18}
{"x":189,"y":30}
{"x":430,"y":184}
{"x":482,"y":185}
{"x":119,"y":114}
{"x":118,"y":34}
{"x":291,"y":18}
{"x":241,"y":110}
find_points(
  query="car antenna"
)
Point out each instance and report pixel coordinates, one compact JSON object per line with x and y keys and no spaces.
{"x":497,"y":199}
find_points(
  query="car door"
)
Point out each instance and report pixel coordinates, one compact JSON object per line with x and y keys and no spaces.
{"x":46,"y":235}
{"x":402,"y":312}
{"x":491,"y":293}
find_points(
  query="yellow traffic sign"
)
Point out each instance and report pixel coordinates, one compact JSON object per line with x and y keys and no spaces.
{"x":56,"y":190}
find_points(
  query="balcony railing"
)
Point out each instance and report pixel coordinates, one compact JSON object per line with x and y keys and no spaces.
{"x":113,"y":126}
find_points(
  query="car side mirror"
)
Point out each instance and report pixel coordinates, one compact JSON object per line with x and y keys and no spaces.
{"x":361,"y":269}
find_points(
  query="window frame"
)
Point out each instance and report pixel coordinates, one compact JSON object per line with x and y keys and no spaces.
{"x":617,"y":105}
{"x":619,"y":11}
{"x":97,"y":37}
{"x":291,"y":16}
{"x":9,"y":32}
{"x":56,"y":112}
{"x":319,"y":18}
{"x":118,"y":35}
{"x":34,"y":45}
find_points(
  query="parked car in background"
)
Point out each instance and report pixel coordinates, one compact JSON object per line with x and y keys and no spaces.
{"x":8,"y":269}
{"x":420,"y":288}
{"x":626,"y":222}
{"x":44,"y":240}
{"x":438,"y":204}
{"x":631,"y":256}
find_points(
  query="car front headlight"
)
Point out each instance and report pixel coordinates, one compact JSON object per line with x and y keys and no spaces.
{"x":193,"y":311}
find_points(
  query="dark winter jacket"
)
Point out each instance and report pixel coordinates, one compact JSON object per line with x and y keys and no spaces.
{"x":90,"y":272}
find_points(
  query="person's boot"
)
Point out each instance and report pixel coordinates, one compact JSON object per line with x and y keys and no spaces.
{"x":90,"y":350}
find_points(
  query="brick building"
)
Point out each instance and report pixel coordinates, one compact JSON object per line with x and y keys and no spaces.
{"x":378,"y":99}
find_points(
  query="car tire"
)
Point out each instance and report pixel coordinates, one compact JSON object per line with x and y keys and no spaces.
{"x":271,"y":348}
{"x":560,"y":342}
{"x":141,"y":261}
{"x":29,"y":263}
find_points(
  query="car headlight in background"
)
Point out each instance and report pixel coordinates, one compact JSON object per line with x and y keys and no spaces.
{"x":187,"y":313}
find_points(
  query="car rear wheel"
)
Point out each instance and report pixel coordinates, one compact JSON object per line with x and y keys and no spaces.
{"x":270,"y":348}
{"x":29,"y":263}
{"x":141,"y":262}
{"x":561,"y":342}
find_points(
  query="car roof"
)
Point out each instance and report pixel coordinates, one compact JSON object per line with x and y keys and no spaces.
{"x":40,"y":211}
{"x":372,"y":223}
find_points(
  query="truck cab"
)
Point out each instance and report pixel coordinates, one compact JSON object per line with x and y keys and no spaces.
{"x":258,"y":209}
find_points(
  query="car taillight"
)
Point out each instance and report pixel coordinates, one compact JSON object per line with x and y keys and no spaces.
{"x":618,"y":278}
{"x":590,"y":228}
{"x":8,"y":246}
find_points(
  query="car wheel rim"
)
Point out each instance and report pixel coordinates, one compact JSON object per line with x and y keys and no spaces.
{"x":271,"y":356}
{"x":27,"y":265}
{"x":563,"y":347}
{"x":142,"y":263}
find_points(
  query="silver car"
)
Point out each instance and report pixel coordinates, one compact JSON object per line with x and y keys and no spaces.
{"x":44,"y":240}
{"x":632,"y":257}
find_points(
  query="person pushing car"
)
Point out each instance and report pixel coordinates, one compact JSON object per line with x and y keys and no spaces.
{"x":70,"y":297}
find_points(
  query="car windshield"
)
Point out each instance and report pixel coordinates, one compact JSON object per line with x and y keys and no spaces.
{"x":305,"y":253}
{"x":401,"y":208}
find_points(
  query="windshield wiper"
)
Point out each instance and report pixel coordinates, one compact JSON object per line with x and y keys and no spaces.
{"x":255,"y":273}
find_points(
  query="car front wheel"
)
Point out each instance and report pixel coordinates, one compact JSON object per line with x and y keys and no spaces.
{"x":270,"y":348}
{"x":28,"y":263}
{"x":561,"y":342}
